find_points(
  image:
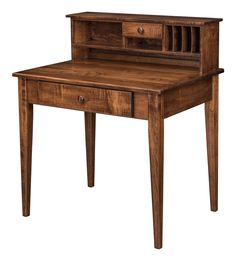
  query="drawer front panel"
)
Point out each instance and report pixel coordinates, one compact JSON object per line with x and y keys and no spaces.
{"x":82,"y":98}
{"x":142,"y":30}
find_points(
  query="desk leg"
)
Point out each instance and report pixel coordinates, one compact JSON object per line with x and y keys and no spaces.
{"x":26,"y":134}
{"x":90,"y":120}
{"x":156,"y":141}
{"x":211,"y":114}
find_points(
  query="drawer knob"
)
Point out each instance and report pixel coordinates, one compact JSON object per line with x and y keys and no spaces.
{"x":140,"y":30}
{"x":81,"y":99}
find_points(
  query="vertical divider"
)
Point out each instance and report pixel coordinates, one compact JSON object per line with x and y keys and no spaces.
{"x":193,"y":40}
{"x":167,"y":43}
{"x":124,"y":39}
{"x":164,"y":47}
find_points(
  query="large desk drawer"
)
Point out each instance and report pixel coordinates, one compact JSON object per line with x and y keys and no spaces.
{"x":82,"y":98}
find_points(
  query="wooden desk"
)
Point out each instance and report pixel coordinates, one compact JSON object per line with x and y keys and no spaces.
{"x":137,"y":66}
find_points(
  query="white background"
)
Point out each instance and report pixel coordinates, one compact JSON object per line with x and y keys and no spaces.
{"x":113,"y":219}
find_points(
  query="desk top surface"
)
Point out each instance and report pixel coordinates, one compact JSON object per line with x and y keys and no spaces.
{"x":136,"y":77}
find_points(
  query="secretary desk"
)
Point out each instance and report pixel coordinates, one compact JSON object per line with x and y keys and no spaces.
{"x":138,"y":66}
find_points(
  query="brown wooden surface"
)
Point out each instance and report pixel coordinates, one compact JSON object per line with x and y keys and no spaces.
{"x":114,"y":17}
{"x":130,"y":29}
{"x":26,"y":135}
{"x":151,"y":50}
{"x":68,"y":96}
{"x":172,"y":66}
{"x":172,"y":58}
{"x":156,"y":143}
{"x":182,"y":98}
{"x":105,"y":33}
{"x":209,"y":48}
{"x":90,"y":122}
{"x":211,"y":114}
{"x":116,"y":75}
{"x":79,"y":34}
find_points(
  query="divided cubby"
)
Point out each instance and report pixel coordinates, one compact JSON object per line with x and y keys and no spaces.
{"x":177,"y":38}
{"x":195,"y":32}
{"x":186,"y":39}
{"x":182,"y":39}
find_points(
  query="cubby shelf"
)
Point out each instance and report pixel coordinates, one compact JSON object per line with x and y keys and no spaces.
{"x":136,"y":50}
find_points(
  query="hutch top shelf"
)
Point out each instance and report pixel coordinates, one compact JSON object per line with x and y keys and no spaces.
{"x":112,"y":17}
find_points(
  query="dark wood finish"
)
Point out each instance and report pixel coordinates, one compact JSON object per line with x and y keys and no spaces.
{"x":156,"y":138}
{"x":106,"y":33}
{"x":90,"y":121}
{"x":177,"y":37}
{"x":124,"y":76}
{"x":185,"y":97}
{"x":149,"y":30}
{"x":174,"y":58}
{"x":211,"y":114}
{"x":195,"y":39}
{"x":209,"y":47}
{"x":79,"y":34}
{"x":114,"y":17}
{"x":111,"y":102}
{"x":138,"y":66}
{"x":26,"y":135}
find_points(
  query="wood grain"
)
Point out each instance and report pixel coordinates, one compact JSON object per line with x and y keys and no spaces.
{"x":188,"y":96}
{"x":68,"y":96}
{"x":145,"y":56}
{"x":104,"y":33}
{"x":139,"y":66}
{"x":151,"y":30}
{"x":211,"y":114}
{"x":90,"y":124}
{"x":156,"y":143}
{"x":79,"y":34}
{"x":26,"y":135}
{"x":124,"y":76}
{"x":209,"y":48}
{"x":114,"y":17}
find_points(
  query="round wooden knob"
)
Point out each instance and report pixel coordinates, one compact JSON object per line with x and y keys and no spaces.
{"x":81,"y":99}
{"x":140,"y":30}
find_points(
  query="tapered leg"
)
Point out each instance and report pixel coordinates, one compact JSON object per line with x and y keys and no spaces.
{"x":156,"y":138}
{"x":26,"y":133}
{"x":90,"y":119}
{"x":211,"y":114}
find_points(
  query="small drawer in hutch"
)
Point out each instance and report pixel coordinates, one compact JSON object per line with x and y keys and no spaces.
{"x":142,"y":30}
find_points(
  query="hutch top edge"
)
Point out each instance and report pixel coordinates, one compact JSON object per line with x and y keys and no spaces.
{"x":116,"y":17}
